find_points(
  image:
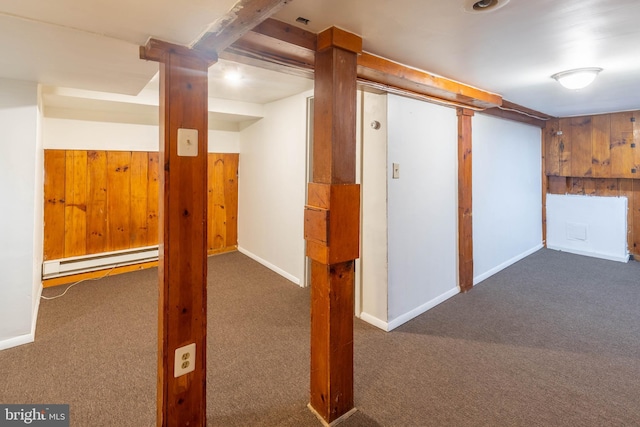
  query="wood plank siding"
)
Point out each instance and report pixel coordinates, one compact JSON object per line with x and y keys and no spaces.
{"x":597,"y":156}
{"x":101,"y":201}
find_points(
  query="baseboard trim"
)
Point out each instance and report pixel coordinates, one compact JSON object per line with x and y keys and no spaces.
{"x":423,"y":308}
{"x":590,"y":254}
{"x":494,"y":270}
{"x":270,"y":266}
{"x":372,"y":320}
{"x":335,"y":422}
{"x":26,"y":338}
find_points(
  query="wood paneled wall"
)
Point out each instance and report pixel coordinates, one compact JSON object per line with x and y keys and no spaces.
{"x":597,"y":156}
{"x":101,"y":201}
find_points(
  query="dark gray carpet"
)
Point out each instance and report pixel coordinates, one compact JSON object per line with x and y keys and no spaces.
{"x":553,"y":340}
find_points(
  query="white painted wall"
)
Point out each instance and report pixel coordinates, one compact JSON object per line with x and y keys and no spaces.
{"x":422,"y":208}
{"x":21,"y":190}
{"x":371,"y":283}
{"x":71,"y":134}
{"x":507,"y":193}
{"x":271,"y":187}
{"x":588,"y":225}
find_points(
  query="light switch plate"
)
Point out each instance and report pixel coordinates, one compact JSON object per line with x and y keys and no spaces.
{"x":187,"y":142}
{"x":185,"y":360}
{"x":396,"y":170}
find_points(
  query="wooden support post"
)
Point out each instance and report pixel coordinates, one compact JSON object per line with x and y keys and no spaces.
{"x":183,"y":232}
{"x":332,"y":224}
{"x":465,"y":207}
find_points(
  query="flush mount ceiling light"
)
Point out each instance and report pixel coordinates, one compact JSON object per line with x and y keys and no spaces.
{"x":475,"y":6}
{"x":578,"y":78}
{"x":233,"y":76}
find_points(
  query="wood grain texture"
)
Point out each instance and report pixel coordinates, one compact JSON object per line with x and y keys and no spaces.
{"x":581,"y":155}
{"x":139,"y":199}
{"x":382,"y":70}
{"x":600,"y":145}
{"x":153,"y":170}
{"x":222,"y":201}
{"x":118,"y":199}
{"x":54,"y":203}
{"x":75,"y":230}
{"x":622,"y":154}
{"x":465,"y":202}
{"x":97,"y":224}
{"x":139,"y":208}
{"x":332,"y":285}
{"x":564,"y":153}
{"x":183,"y":246}
{"x":244,"y":16}
{"x":551,"y":141}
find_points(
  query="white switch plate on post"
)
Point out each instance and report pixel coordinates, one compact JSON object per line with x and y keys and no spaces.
{"x":185,"y":360}
{"x":187,"y":142}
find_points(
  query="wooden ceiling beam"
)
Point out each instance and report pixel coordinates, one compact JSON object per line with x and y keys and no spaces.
{"x":518,"y":113}
{"x":381,"y":70}
{"x":245,"y":16}
{"x":293,"y":47}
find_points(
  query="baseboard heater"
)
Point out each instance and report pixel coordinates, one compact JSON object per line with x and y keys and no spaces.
{"x":83,"y":264}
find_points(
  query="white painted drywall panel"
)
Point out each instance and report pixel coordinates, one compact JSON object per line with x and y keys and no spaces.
{"x":422,"y":207}
{"x":271,"y":187}
{"x":507,"y":188}
{"x":588,"y":225}
{"x":373,"y":251}
{"x":19,"y":159}
{"x":70,"y":134}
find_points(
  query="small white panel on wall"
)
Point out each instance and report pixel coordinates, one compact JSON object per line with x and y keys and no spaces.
{"x":587,"y":225}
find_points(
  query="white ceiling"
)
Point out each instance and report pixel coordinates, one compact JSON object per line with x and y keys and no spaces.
{"x":513,"y":51}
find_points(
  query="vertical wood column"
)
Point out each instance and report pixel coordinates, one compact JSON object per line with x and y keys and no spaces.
{"x":465,"y":209}
{"x":183,"y":240}
{"x":332,"y":224}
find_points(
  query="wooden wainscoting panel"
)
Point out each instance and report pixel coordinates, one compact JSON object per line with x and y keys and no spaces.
{"x":600,"y":145}
{"x":101,"y":201}
{"x":119,"y":199}
{"x":223,"y":202}
{"x":153,"y":169}
{"x":75,"y":216}
{"x":581,"y":156}
{"x":139,"y":199}
{"x":54,"y":203}
{"x":97,"y":202}
{"x":622,"y":155}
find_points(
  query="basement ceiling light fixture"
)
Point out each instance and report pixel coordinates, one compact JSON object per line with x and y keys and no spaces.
{"x":233,"y":76}
{"x":475,"y":6}
{"x":578,"y":78}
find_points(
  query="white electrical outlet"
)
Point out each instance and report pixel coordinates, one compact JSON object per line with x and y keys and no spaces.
{"x":185,"y":361}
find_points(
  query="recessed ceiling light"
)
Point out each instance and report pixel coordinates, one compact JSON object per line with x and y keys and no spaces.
{"x":233,"y":76}
{"x":578,"y":78}
{"x":475,"y":6}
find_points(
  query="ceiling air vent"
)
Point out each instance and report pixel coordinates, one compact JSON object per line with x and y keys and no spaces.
{"x":479,"y":6}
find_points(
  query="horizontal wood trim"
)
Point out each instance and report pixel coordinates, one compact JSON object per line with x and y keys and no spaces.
{"x":382,"y":70}
{"x":94,"y":275}
{"x":517,"y":113}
